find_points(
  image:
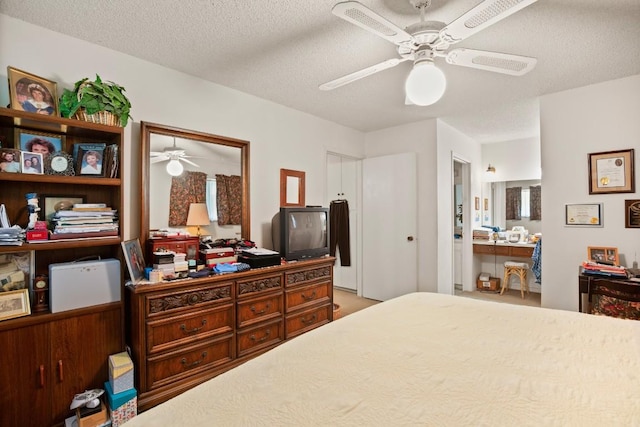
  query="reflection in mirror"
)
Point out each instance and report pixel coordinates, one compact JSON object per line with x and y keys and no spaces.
{"x":182,"y":167}
{"x":496,"y":215}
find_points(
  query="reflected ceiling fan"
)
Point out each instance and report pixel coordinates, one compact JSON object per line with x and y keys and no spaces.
{"x":174,"y":155}
{"x":426,"y":40}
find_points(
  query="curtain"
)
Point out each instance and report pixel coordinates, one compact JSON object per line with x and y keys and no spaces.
{"x":229,"y":199}
{"x":514,"y":201}
{"x":535,"y":205}
{"x":190,"y":187}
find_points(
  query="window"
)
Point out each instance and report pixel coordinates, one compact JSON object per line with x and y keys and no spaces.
{"x":525,"y":207}
{"x":212,"y":206}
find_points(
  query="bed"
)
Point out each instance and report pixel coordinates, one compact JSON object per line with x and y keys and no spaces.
{"x":430,"y":359}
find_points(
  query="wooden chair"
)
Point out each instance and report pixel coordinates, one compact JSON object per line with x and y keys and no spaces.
{"x":518,"y":269}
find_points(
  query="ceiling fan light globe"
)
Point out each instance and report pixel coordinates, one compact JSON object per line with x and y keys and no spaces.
{"x":174,"y":167}
{"x":425,"y":84}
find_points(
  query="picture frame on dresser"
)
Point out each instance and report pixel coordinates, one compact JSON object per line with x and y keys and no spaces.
{"x":14,"y":304}
{"x":603,"y":254}
{"x":612,"y":172}
{"x":134,"y":259}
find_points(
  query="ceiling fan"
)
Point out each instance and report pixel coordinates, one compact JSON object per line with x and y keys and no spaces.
{"x":174,"y":155}
{"x":426,"y":40}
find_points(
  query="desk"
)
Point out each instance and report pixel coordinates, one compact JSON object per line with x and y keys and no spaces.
{"x":591,"y":285}
{"x":518,"y":250}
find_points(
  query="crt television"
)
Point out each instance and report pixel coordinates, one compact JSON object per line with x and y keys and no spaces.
{"x":301,"y":232}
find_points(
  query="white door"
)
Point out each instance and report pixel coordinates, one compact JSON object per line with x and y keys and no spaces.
{"x":389,"y":226}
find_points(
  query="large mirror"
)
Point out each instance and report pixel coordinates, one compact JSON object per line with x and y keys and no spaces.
{"x":181,"y":171}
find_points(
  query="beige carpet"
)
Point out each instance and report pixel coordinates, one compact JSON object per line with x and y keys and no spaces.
{"x":349,"y":302}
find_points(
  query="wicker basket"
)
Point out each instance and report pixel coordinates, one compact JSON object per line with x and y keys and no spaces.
{"x":101,"y":117}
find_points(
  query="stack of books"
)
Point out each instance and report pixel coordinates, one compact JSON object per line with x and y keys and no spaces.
{"x":606,"y":270}
{"x":85,"y":220}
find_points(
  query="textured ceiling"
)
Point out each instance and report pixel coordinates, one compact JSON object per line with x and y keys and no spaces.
{"x":281,"y":50}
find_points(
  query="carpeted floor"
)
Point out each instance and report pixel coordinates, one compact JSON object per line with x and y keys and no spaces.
{"x":349,"y":302}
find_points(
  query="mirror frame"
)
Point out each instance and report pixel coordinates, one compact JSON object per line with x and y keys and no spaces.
{"x":285,"y":174}
{"x":147,"y":129}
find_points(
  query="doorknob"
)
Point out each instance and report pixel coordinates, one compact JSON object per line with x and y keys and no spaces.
{"x":410,"y":238}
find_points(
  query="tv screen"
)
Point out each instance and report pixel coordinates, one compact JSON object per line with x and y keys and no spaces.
{"x":301,"y":232}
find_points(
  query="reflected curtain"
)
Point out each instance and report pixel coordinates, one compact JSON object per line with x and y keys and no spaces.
{"x":514,"y":202}
{"x":535,"y":203}
{"x":229,"y":199}
{"x":190,"y":187}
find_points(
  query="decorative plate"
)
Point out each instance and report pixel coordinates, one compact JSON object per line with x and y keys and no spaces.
{"x":59,"y":163}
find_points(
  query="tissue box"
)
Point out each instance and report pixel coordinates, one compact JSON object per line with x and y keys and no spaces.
{"x":122,"y":406}
{"x":120,"y":372}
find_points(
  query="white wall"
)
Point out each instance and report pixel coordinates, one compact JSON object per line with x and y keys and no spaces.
{"x":514,"y":160}
{"x":591,"y":119}
{"x":280,"y":137}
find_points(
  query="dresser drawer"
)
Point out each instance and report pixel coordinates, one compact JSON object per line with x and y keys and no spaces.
{"x":170,"y":332}
{"x":259,"y":309}
{"x":187,"y":298}
{"x":306,"y":296}
{"x":301,"y":277}
{"x":265,"y":283}
{"x":522,"y":252}
{"x":307,"y":320}
{"x":260,"y":337}
{"x":170,"y":367}
{"x":484,"y":249}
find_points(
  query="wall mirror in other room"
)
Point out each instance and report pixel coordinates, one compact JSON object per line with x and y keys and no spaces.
{"x":183,"y":169}
{"x":494,"y":205}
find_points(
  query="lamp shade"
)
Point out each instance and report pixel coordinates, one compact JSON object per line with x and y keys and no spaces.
{"x":174,"y":167}
{"x":198,"y":214}
{"x":425,"y":84}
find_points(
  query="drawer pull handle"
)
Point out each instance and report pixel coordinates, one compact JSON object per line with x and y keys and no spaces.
{"x":312,"y":296}
{"x":309,"y":321}
{"x":194,"y":330}
{"x":195,"y":362}
{"x":267,"y":333}
{"x":41,"y":376}
{"x":263,"y":311}
{"x":60,"y":371}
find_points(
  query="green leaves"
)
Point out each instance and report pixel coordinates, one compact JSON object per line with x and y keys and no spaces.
{"x":95,"y":96}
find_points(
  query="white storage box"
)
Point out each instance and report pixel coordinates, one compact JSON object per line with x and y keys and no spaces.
{"x":81,"y":284}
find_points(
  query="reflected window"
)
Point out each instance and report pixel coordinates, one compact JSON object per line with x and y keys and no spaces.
{"x":212,"y":205}
{"x":525,"y":207}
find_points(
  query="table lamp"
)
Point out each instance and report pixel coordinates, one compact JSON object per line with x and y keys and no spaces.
{"x":198,"y":215}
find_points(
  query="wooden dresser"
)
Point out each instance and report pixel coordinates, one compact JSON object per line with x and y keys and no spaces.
{"x":185,"y":332}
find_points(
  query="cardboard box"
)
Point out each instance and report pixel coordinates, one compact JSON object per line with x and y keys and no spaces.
{"x":120,"y":372}
{"x":122,"y":406}
{"x":493,"y":284}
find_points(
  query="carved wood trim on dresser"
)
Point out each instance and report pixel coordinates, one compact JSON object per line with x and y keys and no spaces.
{"x":185,"y":332}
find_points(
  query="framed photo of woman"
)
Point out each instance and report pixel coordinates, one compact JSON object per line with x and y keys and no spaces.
{"x":39,"y":142}
{"x":31,"y":93}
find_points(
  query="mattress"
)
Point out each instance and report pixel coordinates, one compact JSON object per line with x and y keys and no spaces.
{"x":430,"y":359}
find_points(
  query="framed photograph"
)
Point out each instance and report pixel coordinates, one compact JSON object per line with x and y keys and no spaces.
{"x":134,"y":258}
{"x":59,"y":163}
{"x":583,"y":215}
{"x":477,"y":203}
{"x":10,"y":160}
{"x":486,"y":204}
{"x":89,"y":159}
{"x":55,"y":202}
{"x":15,"y":271}
{"x":632,"y":213}
{"x":14,"y":304}
{"x":611,"y":172}
{"x":32,"y":163}
{"x":600,"y":254}
{"x":28,"y":92}
{"x":39,"y":142}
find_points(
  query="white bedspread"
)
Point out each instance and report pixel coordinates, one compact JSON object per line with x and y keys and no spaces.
{"x":431,"y":360}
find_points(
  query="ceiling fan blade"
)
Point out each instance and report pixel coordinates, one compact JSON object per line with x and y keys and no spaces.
{"x":341,"y":81}
{"x":363,"y":17}
{"x":514,"y":65}
{"x":159,"y":159}
{"x":182,"y":159}
{"x":480,"y":17}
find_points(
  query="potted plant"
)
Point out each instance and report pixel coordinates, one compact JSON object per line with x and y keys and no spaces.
{"x":96,"y":101}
